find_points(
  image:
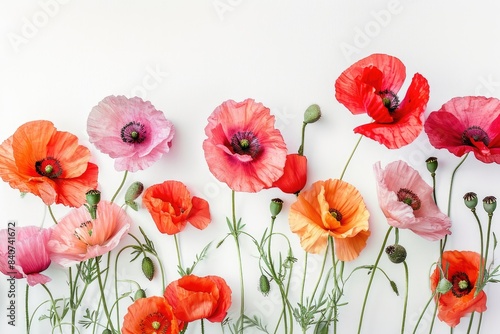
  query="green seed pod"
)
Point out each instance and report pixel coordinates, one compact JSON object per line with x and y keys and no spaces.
{"x":134,"y":191}
{"x":432,"y":164}
{"x":312,"y":114}
{"x":470,"y":200}
{"x":93,"y":197}
{"x":107,"y":331}
{"x":276,"y":206}
{"x":264,"y":285}
{"x":396,"y":253}
{"x":139,"y":294}
{"x":148,"y":268}
{"x":489,"y":204}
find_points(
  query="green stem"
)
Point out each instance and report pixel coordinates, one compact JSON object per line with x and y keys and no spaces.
{"x":406,"y":297}
{"x":451,"y":182}
{"x":27,"y":313}
{"x":320,"y":275}
{"x":433,"y":175}
{"x":481,"y":268}
{"x":52,"y":214}
{"x":103,"y":297}
{"x":120,"y":186}
{"x":479,"y":323}
{"x":240,"y":264}
{"x":471,"y":320}
{"x":202,"y":327}
{"x":58,"y":319}
{"x":337,"y":293}
{"x":371,"y":278}
{"x":423,"y":311}
{"x":350,"y":157}
{"x":301,"y":147}
{"x":177,"y":248}
{"x":306,"y":256}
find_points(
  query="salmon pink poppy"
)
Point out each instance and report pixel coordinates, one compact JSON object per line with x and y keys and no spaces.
{"x":193,"y":298}
{"x":131,"y":131}
{"x":48,"y":163}
{"x":151,"y":315}
{"x":172,"y":207}
{"x":407,"y":201}
{"x":467,"y":124}
{"x":294,"y":176}
{"x":24,"y":253}
{"x":243,"y":149}
{"x":461,"y":269}
{"x":371,"y":86}
{"x":78,"y":237}
{"x":331,"y":208}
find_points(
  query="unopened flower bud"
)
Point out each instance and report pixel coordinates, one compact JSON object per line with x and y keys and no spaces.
{"x":432,"y":164}
{"x":264,"y":285}
{"x":107,"y":331}
{"x":148,"y":268}
{"x":312,"y":114}
{"x":444,"y":286}
{"x":134,"y":191}
{"x":470,"y":200}
{"x":139,"y":294}
{"x":396,"y":253}
{"x":93,"y":197}
{"x":489,"y":204}
{"x":276,"y":206}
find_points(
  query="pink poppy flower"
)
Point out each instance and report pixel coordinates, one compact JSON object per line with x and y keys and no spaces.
{"x":131,"y":131}
{"x":77,"y":237}
{"x":406,"y":201}
{"x":370,"y":86}
{"x":467,"y":124}
{"x":243,"y":149}
{"x":31,"y":254}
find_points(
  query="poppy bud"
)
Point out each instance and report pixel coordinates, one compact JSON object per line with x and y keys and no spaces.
{"x":139,"y":294}
{"x":148,"y":268}
{"x":107,"y":331}
{"x":444,"y":286}
{"x":396,"y":253}
{"x":312,"y":114}
{"x":264,"y":285}
{"x":276,"y":206}
{"x":470,"y":200}
{"x":134,"y":191}
{"x":489,"y":204}
{"x":432,"y":164}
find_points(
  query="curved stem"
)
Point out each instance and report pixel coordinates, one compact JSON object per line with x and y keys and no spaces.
{"x":350,"y":157}
{"x":54,"y":307}
{"x":52,"y":214}
{"x":240,"y":264}
{"x":451,"y":182}
{"x":103,"y":297}
{"x":423,"y":311}
{"x":320,"y":274}
{"x":406,"y":297}
{"x":120,"y":186}
{"x":371,"y":278}
{"x":301,"y":147}
{"x":179,"y":261}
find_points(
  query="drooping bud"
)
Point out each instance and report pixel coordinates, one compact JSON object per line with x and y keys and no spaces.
{"x":148,"y":268}
{"x":470,"y":200}
{"x":133,"y":192}
{"x":140,"y":293}
{"x":312,"y":114}
{"x":264,"y":285}
{"x":489,"y":204}
{"x":275,"y":206}
{"x":432,"y":164}
{"x":396,"y":253}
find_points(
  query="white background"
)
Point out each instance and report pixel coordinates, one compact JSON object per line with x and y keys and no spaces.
{"x":60,"y":58}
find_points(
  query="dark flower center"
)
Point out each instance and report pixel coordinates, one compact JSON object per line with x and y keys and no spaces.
{"x":84,"y":232}
{"x":134,"y":133}
{"x":336,"y":214}
{"x":390,"y":100}
{"x":409,"y":197}
{"x":461,"y":284}
{"x":154,"y":323}
{"x":245,"y":142}
{"x":49,"y":167}
{"x":476,"y":134}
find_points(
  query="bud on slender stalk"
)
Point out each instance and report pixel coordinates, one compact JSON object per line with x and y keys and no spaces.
{"x":396,"y":253}
{"x":264,"y":285}
{"x":148,"y":268}
{"x":312,"y":114}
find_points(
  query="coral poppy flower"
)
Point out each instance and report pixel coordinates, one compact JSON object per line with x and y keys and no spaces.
{"x":172,"y":207}
{"x":467,"y":124}
{"x":78,"y":237}
{"x":461,"y":269}
{"x":295,"y":174}
{"x":243,"y":149}
{"x":407,"y":201}
{"x":151,"y":315}
{"x":331,"y":208}
{"x":193,"y":298}
{"x":28,"y":256}
{"x":131,"y":131}
{"x":370,"y":86}
{"x":48,"y":163}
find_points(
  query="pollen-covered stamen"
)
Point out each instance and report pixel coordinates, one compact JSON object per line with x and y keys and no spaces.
{"x":134,"y":133}
{"x":245,"y":142}
{"x":336,"y":214}
{"x":84,"y":232}
{"x":390,"y":100}
{"x":409,"y":197}
{"x":49,"y":167}
{"x":461,"y":284}
{"x":154,"y":323}
{"x":475,"y":134}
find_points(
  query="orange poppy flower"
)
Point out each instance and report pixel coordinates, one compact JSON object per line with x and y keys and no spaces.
{"x":193,"y":298}
{"x":295,"y":174}
{"x":331,"y":208}
{"x":172,"y":207}
{"x":151,"y":315}
{"x":48,"y":163}
{"x":461,"y":269}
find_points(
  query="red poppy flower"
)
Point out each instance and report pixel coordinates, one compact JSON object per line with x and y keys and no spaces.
{"x":461,"y":269}
{"x":172,"y":207}
{"x":151,"y":315}
{"x":295,"y":174}
{"x":243,"y":149}
{"x":370,"y":86}
{"x":467,"y":124}
{"x":193,"y":298}
{"x":48,"y":163}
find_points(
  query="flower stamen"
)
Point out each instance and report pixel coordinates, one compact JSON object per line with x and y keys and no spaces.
{"x":409,"y":197}
{"x":49,"y":167}
{"x":245,"y":143}
{"x":475,"y":134}
{"x":336,"y":214}
{"x":84,"y":232}
{"x":133,"y":133}
{"x":461,"y":284}
{"x":390,"y":100}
